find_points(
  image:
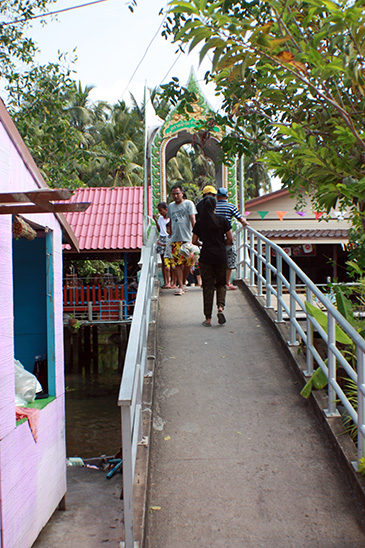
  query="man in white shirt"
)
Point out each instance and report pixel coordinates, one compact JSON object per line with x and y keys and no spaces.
{"x":182,"y":214}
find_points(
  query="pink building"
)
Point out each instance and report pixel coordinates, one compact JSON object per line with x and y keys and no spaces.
{"x":32,"y":473}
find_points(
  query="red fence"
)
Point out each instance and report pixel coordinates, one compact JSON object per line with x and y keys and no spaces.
{"x":104,"y":302}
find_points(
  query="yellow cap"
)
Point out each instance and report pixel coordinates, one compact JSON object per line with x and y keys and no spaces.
{"x":209,"y":189}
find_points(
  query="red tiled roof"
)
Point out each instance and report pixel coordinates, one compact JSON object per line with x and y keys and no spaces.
{"x":305,"y":234}
{"x":113,"y":221}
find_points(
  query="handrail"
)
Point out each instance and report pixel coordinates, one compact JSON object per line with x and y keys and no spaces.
{"x":255,"y":253}
{"x":131,"y":387}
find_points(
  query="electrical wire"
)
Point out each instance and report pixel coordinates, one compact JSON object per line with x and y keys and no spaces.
{"x":56,"y":12}
{"x":52,"y":13}
{"x":144,"y":55}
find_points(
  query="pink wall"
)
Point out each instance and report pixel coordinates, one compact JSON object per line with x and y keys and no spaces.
{"x":32,"y":475}
{"x":33,"y":479}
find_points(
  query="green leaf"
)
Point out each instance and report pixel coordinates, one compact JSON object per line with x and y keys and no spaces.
{"x":321,"y":318}
{"x":199,"y":35}
{"x":210,"y":44}
{"x":318,"y":381}
{"x":344,"y":306}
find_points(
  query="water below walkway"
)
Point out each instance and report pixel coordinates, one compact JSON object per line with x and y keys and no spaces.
{"x":237,"y":457}
{"x":93,"y":422}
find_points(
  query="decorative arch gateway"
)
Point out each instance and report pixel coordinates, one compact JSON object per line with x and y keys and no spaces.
{"x":180,"y":129}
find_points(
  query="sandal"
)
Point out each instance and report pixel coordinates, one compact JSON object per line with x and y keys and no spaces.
{"x":206,"y":324}
{"x":221,"y":317}
{"x":179,"y":292}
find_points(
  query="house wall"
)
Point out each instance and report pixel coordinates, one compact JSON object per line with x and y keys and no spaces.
{"x":291,"y":220}
{"x":319,"y":266}
{"x":32,"y":475}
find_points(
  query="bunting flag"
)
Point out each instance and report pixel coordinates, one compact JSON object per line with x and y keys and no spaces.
{"x":247,"y":213}
{"x":318,"y":214}
{"x":262,"y":214}
{"x":301,"y":213}
{"x":281,"y":214}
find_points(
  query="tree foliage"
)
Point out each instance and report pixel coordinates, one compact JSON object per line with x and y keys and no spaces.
{"x":15,"y":46}
{"x":73,"y":141}
{"x":293,"y":71}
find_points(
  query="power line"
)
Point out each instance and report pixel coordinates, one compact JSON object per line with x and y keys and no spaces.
{"x":52,"y":13}
{"x":143,"y":56}
{"x":172,"y":66}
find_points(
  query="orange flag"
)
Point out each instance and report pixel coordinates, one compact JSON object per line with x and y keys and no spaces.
{"x":281,"y":214}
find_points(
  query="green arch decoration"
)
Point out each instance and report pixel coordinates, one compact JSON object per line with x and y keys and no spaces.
{"x":178,"y":129}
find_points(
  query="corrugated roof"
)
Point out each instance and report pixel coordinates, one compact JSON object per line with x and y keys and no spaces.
{"x":305,"y":234}
{"x":113,"y":221}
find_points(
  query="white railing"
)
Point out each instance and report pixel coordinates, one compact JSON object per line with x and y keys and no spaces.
{"x":259,"y":262}
{"x":131,"y":387}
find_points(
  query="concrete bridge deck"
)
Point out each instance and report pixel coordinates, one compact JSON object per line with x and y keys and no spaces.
{"x":237,"y":457}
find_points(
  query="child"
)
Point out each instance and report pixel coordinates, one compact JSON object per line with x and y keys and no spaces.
{"x":161,"y":222}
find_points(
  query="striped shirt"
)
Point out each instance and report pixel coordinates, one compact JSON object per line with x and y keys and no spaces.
{"x":227,"y":210}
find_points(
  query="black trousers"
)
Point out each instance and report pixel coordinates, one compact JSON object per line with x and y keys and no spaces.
{"x":214,"y":279}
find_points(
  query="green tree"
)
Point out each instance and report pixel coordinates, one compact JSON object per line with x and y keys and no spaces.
{"x":296,"y":70}
{"x":40,"y":104}
{"x":15,"y":46}
{"x":123,"y":137}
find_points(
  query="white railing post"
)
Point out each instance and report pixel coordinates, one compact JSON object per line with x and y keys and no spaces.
{"x":238,"y":242}
{"x":309,"y":355}
{"x":279,"y":289}
{"x":331,"y":411}
{"x":245,"y":253}
{"x":360,"y":403}
{"x":252,"y":260}
{"x":128,"y":479}
{"x":292,"y":308}
{"x":268,"y":275}
{"x":259,"y":267}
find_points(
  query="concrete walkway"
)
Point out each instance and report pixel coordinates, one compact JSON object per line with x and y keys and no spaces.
{"x":237,"y":460}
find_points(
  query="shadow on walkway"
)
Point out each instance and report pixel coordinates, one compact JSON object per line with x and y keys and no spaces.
{"x":237,"y":457}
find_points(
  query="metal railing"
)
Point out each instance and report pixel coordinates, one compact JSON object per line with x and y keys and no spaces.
{"x":260,"y":261}
{"x":131,"y":387}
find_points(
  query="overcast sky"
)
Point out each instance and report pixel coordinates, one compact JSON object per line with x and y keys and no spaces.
{"x":111,"y":42}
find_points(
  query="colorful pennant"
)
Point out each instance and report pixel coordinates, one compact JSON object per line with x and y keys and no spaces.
{"x":301,"y":213}
{"x":318,"y":214}
{"x":281,"y":214}
{"x":262,"y":214}
{"x":247,"y":213}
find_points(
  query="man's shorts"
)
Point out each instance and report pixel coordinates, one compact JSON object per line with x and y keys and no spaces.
{"x":161,"y":244}
{"x":231,"y":256}
{"x":178,"y":259}
{"x":169,"y":262}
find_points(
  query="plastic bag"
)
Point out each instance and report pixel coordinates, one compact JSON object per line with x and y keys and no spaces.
{"x":26,"y":384}
{"x":189,"y":250}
